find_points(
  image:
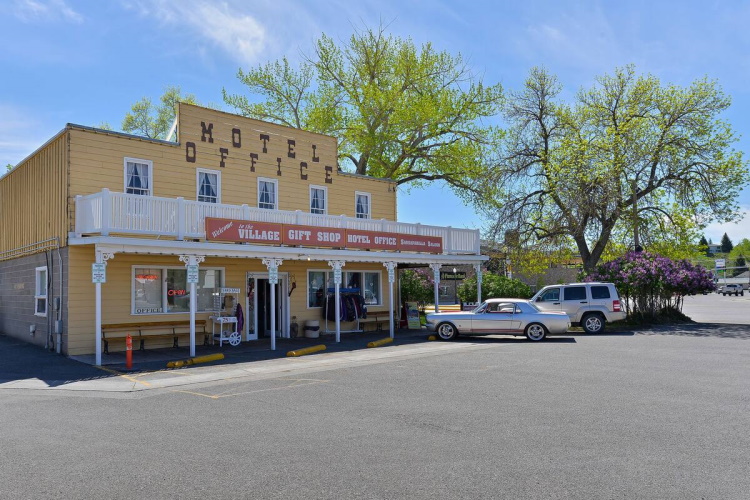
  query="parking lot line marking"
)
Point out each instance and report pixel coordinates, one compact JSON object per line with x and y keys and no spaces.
{"x":294,"y":383}
{"x":123,"y":375}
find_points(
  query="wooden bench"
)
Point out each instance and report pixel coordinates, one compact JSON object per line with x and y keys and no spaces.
{"x":141,"y":331}
{"x":377,"y":318}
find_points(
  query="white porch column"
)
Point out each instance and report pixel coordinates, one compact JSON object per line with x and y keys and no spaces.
{"x":391,"y":266}
{"x":337,"y":265}
{"x":191,"y":263}
{"x":478,"y":270}
{"x":101,"y":258}
{"x":273,"y":278}
{"x":436,"y":277}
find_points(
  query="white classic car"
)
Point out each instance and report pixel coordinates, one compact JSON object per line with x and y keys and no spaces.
{"x":503,"y":316}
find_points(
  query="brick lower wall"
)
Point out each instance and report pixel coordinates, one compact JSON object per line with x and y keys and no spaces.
{"x":17,"y":304}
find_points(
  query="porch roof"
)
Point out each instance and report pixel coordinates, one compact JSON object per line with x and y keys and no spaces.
{"x":118,"y":244}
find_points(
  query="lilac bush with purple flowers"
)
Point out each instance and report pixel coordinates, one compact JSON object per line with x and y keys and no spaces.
{"x":649,"y":283}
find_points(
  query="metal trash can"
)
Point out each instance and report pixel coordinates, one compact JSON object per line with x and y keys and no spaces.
{"x":312,"y":329}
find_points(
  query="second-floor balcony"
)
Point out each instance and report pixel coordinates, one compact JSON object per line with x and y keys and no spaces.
{"x":111,"y":212}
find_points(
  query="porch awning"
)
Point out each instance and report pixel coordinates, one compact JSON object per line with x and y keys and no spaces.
{"x":120,"y":244}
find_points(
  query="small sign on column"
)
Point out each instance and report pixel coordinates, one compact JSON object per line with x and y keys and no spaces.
{"x":192,"y":273}
{"x":98,"y":272}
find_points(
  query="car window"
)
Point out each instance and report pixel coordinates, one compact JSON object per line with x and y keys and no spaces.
{"x":599,"y":292}
{"x":500,"y":307}
{"x":528,"y":307}
{"x":480,"y":308}
{"x":574,"y":293}
{"x":551,"y":295}
{"x":506,"y":308}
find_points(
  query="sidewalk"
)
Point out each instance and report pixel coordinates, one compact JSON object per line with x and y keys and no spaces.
{"x":24,"y":366}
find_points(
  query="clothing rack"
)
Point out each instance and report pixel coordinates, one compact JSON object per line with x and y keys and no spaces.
{"x":342,"y":293}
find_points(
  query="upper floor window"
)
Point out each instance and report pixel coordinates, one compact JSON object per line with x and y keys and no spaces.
{"x":209,"y":186}
{"x":267,"y":193}
{"x":318,"y":197}
{"x":40,"y":291}
{"x":138,"y":176}
{"x":362,"y":205}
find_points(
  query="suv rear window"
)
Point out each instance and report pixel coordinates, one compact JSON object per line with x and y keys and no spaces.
{"x":574,"y":293}
{"x":599,"y":292}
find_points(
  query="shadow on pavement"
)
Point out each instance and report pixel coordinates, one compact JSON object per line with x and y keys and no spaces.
{"x":506,"y":339}
{"x":22,"y":361}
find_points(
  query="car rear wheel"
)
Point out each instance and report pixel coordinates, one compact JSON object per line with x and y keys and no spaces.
{"x":593,"y":323}
{"x":447,"y":331}
{"x":535,"y":332}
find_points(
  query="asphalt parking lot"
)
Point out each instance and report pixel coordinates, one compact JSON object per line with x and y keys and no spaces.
{"x":718,"y":309}
{"x":652,"y":413}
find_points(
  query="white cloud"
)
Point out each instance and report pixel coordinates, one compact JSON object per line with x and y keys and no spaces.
{"x":735,"y":230}
{"x":50,"y":10}
{"x":239,"y":34}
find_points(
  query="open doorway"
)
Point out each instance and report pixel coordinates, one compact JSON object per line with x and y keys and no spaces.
{"x":259,"y":307}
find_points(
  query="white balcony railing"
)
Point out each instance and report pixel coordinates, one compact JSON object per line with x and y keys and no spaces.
{"x":109,"y":212}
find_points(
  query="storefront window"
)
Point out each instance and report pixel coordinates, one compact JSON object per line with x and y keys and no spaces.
{"x":148,"y":297}
{"x":178,"y":296}
{"x":209,"y":282}
{"x":372,"y":288}
{"x":353,"y":280}
{"x":152,"y":294}
{"x":316,"y":288}
{"x":368,"y":284}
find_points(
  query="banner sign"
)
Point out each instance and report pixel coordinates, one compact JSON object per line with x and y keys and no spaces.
{"x":356,"y":238}
{"x":242,"y":231}
{"x":312,"y":236}
{"x":429,"y":244}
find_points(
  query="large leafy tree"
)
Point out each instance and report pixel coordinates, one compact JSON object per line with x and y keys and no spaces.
{"x":412,"y":114}
{"x":627,"y":155}
{"x":155,"y":120}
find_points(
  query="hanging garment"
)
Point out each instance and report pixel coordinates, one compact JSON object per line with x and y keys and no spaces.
{"x":350,"y":312}
{"x":240,"y":318}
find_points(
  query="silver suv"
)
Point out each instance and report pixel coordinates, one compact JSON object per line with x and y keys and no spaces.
{"x":732,"y":289}
{"x":589,"y":305}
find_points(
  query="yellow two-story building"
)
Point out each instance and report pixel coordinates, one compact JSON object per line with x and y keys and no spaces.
{"x":230,"y":218}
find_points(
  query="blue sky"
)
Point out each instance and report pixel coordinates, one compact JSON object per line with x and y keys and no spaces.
{"x":87,"y":61}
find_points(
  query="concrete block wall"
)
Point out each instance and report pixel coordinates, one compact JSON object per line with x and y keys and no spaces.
{"x":17,"y":290}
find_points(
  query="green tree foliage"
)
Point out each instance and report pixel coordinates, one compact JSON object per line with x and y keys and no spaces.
{"x":493,"y":286}
{"x":155,"y":120}
{"x":628,"y":152}
{"x":726,"y":244}
{"x":416,"y":286}
{"x":740,"y":264}
{"x":703,"y":246}
{"x":741,"y":248}
{"x":738,"y":255}
{"x":408,"y":113}
{"x":8,"y":167}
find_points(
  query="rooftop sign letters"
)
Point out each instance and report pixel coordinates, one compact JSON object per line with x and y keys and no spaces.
{"x":242,"y":231}
{"x":253,"y":147}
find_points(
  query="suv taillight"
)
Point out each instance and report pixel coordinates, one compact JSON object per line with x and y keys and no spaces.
{"x":616,"y":306}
